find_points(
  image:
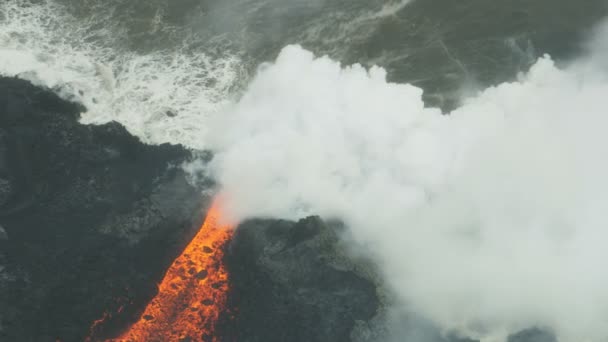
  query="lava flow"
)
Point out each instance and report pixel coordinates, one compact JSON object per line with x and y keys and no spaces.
{"x":193,"y":292}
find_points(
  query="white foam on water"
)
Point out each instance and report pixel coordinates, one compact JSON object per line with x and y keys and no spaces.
{"x":487,"y":221}
{"x":162,"y":96}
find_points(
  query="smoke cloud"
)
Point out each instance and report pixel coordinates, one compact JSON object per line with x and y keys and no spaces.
{"x":488,"y":220}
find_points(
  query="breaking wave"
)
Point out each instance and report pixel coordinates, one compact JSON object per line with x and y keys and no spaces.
{"x":160,"y":96}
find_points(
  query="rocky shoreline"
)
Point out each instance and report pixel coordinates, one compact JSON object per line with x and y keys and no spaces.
{"x":91,"y":218}
{"x":292,"y":281}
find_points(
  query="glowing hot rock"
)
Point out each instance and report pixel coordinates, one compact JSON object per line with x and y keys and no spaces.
{"x":193,"y":292}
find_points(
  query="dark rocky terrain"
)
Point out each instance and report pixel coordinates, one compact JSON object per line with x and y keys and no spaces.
{"x":292,"y":282}
{"x":91,"y":217}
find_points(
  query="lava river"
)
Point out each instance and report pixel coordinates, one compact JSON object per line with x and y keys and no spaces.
{"x":193,"y":292}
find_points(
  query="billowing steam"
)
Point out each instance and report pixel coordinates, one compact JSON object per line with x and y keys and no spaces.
{"x":487,"y":221}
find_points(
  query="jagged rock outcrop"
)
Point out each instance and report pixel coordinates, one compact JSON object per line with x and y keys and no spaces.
{"x":92,"y":217}
{"x":290,"y":281}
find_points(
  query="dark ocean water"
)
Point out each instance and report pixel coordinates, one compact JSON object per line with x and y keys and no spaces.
{"x":437,"y":44}
{"x":446,"y":47}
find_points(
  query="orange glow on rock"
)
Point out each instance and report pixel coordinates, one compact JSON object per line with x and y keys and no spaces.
{"x":193,"y":292}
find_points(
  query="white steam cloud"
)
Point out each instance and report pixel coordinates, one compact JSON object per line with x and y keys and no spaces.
{"x":487,"y":221}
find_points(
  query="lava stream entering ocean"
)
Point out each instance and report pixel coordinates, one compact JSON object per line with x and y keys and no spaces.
{"x":193,"y":292}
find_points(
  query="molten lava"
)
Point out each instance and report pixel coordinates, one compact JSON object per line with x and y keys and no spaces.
{"x":193,"y":292}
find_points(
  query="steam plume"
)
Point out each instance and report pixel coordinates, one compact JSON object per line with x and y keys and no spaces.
{"x":489,"y":220}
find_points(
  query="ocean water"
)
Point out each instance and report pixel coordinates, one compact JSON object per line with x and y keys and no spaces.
{"x":462,"y":141}
{"x":162,"y":67}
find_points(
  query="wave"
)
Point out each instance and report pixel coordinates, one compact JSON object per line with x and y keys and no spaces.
{"x":160,"y":96}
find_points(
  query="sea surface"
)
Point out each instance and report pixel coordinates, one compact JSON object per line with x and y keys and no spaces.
{"x":162,"y":67}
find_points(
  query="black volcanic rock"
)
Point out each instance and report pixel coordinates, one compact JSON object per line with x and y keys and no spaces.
{"x":92,"y":215}
{"x":289,"y":282}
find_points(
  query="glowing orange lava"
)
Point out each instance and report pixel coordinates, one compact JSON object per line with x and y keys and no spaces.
{"x":193,"y":292}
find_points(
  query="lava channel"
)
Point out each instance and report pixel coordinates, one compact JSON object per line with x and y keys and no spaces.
{"x":193,"y":292}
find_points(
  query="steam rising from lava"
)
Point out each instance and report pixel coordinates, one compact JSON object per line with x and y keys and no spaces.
{"x":192,"y":294}
{"x":489,"y":220}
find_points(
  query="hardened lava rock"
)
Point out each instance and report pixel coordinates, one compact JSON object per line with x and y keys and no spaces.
{"x":90,"y":216}
{"x":289,"y":282}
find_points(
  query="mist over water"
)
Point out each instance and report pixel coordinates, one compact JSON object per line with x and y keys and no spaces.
{"x":485,"y":221}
